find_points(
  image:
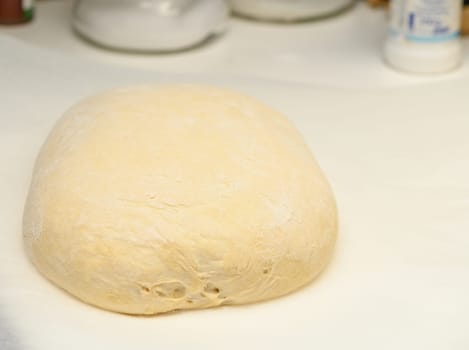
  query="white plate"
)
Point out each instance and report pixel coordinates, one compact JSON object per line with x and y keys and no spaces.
{"x":397,"y":159}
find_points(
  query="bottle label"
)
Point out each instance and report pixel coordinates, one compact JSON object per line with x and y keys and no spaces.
{"x":28,"y":8}
{"x":426,"y":20}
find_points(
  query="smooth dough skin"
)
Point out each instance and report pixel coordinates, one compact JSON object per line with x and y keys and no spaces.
{"x":157,"y":198}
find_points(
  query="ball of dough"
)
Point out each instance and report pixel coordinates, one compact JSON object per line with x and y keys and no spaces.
{"x":157,"y":198}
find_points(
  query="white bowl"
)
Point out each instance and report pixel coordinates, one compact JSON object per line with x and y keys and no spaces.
{"x":149,"y":25}
{"x":287,"y":10}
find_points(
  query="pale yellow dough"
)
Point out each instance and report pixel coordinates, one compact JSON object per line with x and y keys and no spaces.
{"x":157,"y":198}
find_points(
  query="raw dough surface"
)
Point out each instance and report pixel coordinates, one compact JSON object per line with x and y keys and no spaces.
{"x":157,"y":198}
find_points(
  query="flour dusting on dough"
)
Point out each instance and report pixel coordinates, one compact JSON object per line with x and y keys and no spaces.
{"x":158,"y":198}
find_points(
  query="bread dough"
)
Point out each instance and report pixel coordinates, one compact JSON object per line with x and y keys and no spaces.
{"x":157,"y":198}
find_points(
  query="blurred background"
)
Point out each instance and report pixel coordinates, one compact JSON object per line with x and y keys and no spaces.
{"x":326,"y":42}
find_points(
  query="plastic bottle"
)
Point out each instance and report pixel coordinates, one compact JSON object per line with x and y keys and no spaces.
{"x":16,"y":11}
{"x":424,"y":35}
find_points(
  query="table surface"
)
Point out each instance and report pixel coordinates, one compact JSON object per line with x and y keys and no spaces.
{"x":398,"y":279}
{"x":343,"y":51}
